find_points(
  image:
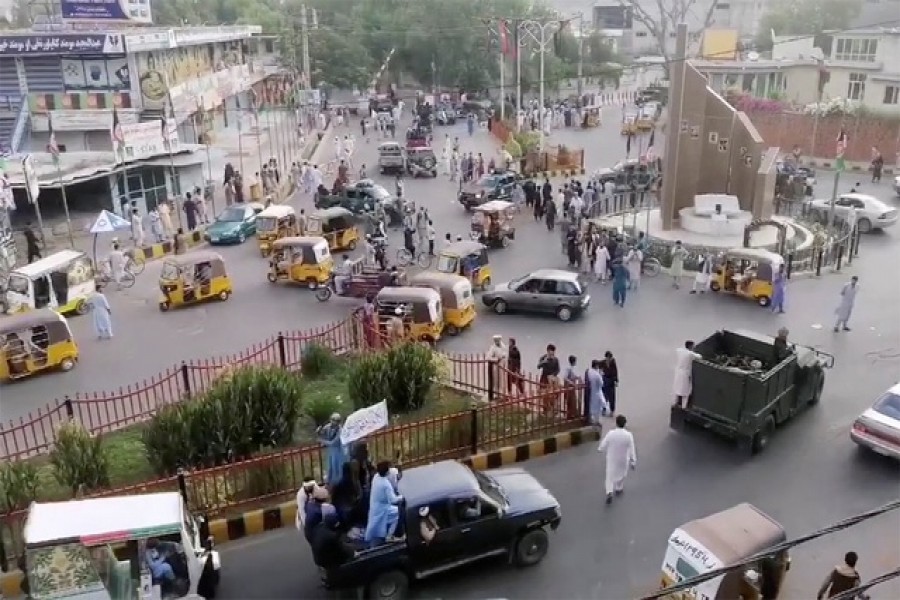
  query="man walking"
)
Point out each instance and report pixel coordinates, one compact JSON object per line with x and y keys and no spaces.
{"x":610,"y":381}
{"x":618,"y":445}
{"x":842,"y":578}
{"x":496,"y":356}
{"x":31,"y":244}
{"x":514,"y":379}
{"x":594,"y":392}
{"x":845,"y":308}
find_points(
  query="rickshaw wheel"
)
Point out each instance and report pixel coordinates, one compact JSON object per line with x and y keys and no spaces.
{"x":312,"y":284}
{"x":504,"y":241}
{"x":714,"y":286}
{"x":223,"y":295}
{"x":763,"y":301}
{"x":81,"y":308}
{"x":163,"y":306}
{"x":485,"y":284}
{"x":451,"y":329}
{"x":66,"y":364}
{"x":352,"y":245}
{"x":272,"y":277}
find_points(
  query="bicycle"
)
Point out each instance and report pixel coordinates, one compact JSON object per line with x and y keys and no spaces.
{"x":135,"y":263}
{"x":651,"y":267}
{"x":104,"y":278}
{"x":406,"y":258}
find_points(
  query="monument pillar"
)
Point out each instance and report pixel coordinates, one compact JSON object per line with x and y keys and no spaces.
{"x":677,"y":69}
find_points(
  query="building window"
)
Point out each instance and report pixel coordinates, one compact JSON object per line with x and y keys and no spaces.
{"x":641,"y":34}
{"x":891,"y":94}
{"x":856,"y":89}
{"x":856,"y":50}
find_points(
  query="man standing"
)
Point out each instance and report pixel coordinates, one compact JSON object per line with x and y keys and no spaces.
{"x":514,"y":369}
{"x":31,"y":244}
{"x":618,"y":445}
{"x":100,"y":313}
{"x":845,"y":308}
{"x":679,"y":253}
{"x":779,"y":286}
{"x":496,"y":356}
{"x":610,"y":381}
{"x":594,"y":388}
{"x":684,"y":362}
{"x":548,"y":365}
{"x":572,"y":381}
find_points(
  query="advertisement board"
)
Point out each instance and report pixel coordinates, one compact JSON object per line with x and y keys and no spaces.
{"x":145,"y":140}
{"x":134,"y":11}
{"x":61,"y":43}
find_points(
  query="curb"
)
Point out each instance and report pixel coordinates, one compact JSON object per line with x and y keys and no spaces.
{"x":561,"y":173}
{"x":260,"y":521}
{"x":154,"y":251}
{"x":856,"y":168}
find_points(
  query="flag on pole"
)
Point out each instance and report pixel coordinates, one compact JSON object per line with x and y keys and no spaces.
{"x":506,"y":47}
{"x":842,"y":140}
{"x":52,"y":146}
{"x":628,"y":145}
{"x":117,"y":135}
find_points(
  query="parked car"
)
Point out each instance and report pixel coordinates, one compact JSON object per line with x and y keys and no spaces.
{"x":234,"y":224}
{"x":871,"y":213}
{"x":493,"y":186}
{"x":549,"y":291}
{"x":475,"y":515}
{"x":878,"y":428}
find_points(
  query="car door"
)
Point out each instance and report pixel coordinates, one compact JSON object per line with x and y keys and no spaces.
{"x":249,"y":221}
{"x":843,"y":206}
{"x":526,"y":295}
{"x":447,"y":545}
{"x":479,"y":527}
{"x":550,"y":297}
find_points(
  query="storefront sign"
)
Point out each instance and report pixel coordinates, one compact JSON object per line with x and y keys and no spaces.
{"x":62,"y":43}
{"x":209,"y":91}
{"x":134,"y":11}
{"x":145,"y":140}
{"x":157,"y":40}
{"x":110,"y":74}
{"x":81,"y":120}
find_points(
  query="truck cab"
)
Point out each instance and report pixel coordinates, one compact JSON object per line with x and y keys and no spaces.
{"x":478,"y":515}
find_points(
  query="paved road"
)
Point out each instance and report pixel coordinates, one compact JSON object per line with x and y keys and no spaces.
{"x":809,"y":477}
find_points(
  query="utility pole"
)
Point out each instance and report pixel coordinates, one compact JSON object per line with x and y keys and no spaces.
{"x":580,"y":54}
{"x":304,"y":34}
{"x":542,"y":34}
{"x":519,"y":72}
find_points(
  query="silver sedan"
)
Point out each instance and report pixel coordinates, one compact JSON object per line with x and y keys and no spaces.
{"x":878,"y":428}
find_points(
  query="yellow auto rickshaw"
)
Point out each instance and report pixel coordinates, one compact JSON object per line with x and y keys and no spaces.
{"x":468,"y":259}
{"x":33,"y":342}
{"x":191,"y":278}
{"x":335,"y":224}
{"x":301,"y":260}
{"x":749,"y":273}
{"x":418,"y":308}
{"x":591,"y":116}
{"x":722,"y":539}
{"x":275,"y":222}
{"x":456,"y":298}
{"x":629,"y":123}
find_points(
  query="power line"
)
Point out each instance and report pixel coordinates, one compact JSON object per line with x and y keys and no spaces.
{"x":772,"y":551}
{"x":853,"y":593}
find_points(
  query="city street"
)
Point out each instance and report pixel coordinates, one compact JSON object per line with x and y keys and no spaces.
{"x":810,"y":476}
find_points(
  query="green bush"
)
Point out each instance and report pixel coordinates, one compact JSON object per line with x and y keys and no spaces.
{"x":320,"y":408}
{"x":528,"y":140}
{"x":317,"y":361}
{"x":18,"y":486}
{"x":250,"y":410}
{"x":404,"y":376}
{"x":79,"y":459}
{"x":513,"y":147}
{"x":266,"y":481}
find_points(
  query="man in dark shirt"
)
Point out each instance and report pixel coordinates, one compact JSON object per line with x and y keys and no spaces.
{"x":610,"y":380}
{"x":548,"y":365}
{"x":514,"y":367}
{"x":328,"y":546}
{"x":782,"y":349}
{"x":31,"y":243}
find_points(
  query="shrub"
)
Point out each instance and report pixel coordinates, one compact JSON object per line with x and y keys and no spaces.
{"x":317,"y":361}
{"x":79,"y":459}
{"x":404,"y":376}
{"x":253,"y":409}
{"x":18,"y":486}
{"x":320,"y":408}
{"x":513,"y":147}
{"x":266,"y":480}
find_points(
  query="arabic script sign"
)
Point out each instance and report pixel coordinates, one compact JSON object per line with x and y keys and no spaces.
{"x":62,"y":43}
{"x":136,"y":11}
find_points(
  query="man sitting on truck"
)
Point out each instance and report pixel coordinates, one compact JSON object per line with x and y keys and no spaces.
{"x":782,"y":349}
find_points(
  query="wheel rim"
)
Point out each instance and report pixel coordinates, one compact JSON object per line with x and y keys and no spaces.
{"x":67,"y":364}
{"x":565,"y":314}
{"x":387,"y":589}
{"x":500,"y":307}
{"x":223,"y":295}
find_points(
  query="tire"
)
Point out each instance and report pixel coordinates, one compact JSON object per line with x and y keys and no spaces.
{"x":714,"y":286}
{"x":164,"y":306}
{"x":564,"y":313}
{"x":423,"y":260}
{"x":763,"y":436}
{"x":451,"y":330}
{"x":864,"y":225}
{"x":137,"y":264}
{"x":393,"y":585}
{"x":224,"y":295}
{"x":67,"y":364}
{"x":312,"y":284}
{"x":652,"y":267}
{"x":272,"y":277}
{"x":531,"y":548}
{"x":404,"y":257}
{"x":323,"y":294}
{"x":127,"y":280}
{"x":81,"y":308}
{"x":499,"y":306}
{"x":352,"y":245}
{"x":504,"y":241}
{"x":763,"y":301}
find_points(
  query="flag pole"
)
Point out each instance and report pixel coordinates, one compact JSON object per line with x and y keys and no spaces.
{"x":165,"y":127}
{"x":240,"y":124}
{"x":53,"y":148}
{"x":503,"y":42}
{"x":255,"y":108}
{"x":209,"y":177}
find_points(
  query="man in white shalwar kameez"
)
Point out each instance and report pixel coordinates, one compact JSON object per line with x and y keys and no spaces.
{"x":621,"y":456}
{"x":684,"y":364}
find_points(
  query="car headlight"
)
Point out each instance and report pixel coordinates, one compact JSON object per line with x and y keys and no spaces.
{"x":586,"y":301}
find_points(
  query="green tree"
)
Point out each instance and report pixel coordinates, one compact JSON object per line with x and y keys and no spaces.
{"x":806,"y":17}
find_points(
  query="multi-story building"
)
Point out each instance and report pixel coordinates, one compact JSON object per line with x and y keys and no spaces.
{"x":91,"y":84}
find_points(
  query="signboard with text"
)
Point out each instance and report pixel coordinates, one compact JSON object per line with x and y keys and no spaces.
{"x":62,"y":43}
{"x":134,"y":11}
{"x":145,"y":140}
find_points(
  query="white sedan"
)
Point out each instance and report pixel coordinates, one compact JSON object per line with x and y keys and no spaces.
{"x":871,"y":213}
{"x":878,"y":428}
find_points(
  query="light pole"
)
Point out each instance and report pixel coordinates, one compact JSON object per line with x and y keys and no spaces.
{"x":542,"y":34}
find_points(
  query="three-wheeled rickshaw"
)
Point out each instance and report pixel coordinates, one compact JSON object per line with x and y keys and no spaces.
{"x":747,"y":273}
{"x":492,"y":223}
{"x":722,"y":539}
{"x":456,"y":298}
{"x":335,"y":224}
{"x":61,"y":281}
{"x":139,"y":546}
{"x":304,"y":260}
{"x":629,"y":123}
{"x":273,"y":223}
{"x":419,"y":308}
{"x":34,"y":342}
{"x":192,"y":278}
{"x":591,"y":116}
{"x":469,"y":259}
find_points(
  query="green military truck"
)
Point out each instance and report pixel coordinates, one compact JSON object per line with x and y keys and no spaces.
{"x":744,"y":386}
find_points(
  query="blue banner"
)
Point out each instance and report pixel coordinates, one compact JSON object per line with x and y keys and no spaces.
{"x":62,"y":43}
{"x":135,"y":11}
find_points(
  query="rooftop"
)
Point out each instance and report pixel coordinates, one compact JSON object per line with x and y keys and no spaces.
{"x":437,"y":481}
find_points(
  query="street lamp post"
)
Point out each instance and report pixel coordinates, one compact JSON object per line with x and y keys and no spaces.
{"x":542,"y":34}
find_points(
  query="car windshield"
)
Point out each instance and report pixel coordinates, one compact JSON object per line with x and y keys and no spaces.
{"x":515,"y":283}
{"x":889,"y":406}
{"x":231,"y":215}
{"x":491,"y":488}
{"x":379,"y":193}
{"x":488,"y":181}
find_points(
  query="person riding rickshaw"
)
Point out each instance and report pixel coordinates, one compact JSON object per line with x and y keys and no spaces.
{"x":721,"y":539}
{"x":192,"y":278}
{"x":34,"y":342}
{"x":456,"y":298}
{"x":419,"y":309}
{"x":275,"y":222}
{"x":748,"y":273}
{"x":492,"y":223}
{"x":468,"y":259}
{"x":591,"y":116}
{"x":335,"y":224}
{"x":629,"y":123}
{"x":304,"y":260}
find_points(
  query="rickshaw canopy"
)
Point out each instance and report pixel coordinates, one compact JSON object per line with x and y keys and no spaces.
{"x":195,"y":258}
{"x":103,"y":520}
{"x":732,"y":534}
{"x":407,"y":295}
{"x":463,"y":248}
{"x":49,"y":264}
{"x":758,"y":255}
{"x":33,"y":318}
{"x":277,"y":211}
{"x":319,"y":244}
{"x":452,"y":288}
{"x":495,"y":206}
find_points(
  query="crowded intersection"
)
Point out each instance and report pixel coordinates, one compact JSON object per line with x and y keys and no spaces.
{"x":810,"y":475}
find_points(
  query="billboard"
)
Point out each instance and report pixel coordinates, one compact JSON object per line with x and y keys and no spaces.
{"x":61,"y":43}
{"x":134,"y":11}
